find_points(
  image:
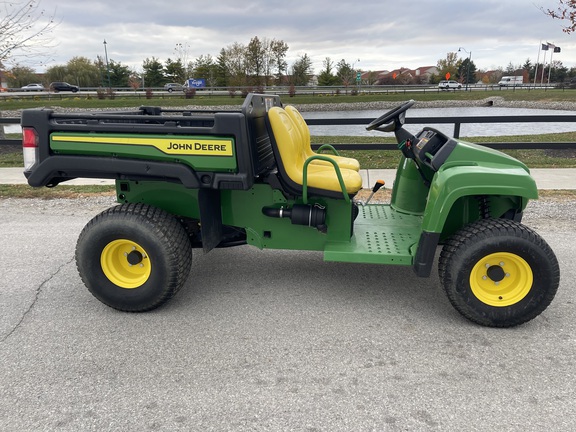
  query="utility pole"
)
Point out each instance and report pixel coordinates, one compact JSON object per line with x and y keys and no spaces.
{"x":107,"y":66}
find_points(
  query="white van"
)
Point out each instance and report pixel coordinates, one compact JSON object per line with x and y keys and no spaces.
{"x":511,"y":81}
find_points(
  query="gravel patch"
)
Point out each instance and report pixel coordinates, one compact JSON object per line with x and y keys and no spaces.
{"x":354,"y":106}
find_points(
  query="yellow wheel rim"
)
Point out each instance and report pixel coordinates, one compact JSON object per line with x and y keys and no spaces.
{"x":501,"y":279}
{"x":125,"y":263}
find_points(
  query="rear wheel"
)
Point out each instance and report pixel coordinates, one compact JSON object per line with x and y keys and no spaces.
{"x":134,"y":257}
{"x":498,"y":273}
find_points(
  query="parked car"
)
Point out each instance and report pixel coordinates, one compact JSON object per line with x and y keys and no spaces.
{"x":33,"y":87}
{"x":63,"y":86}
{"x":170,"y":87}
{"x":449,"y":84}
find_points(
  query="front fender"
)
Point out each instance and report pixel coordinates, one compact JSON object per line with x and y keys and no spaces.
{"x":454,"y":181}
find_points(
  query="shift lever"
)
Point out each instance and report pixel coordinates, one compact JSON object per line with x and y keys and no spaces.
{"x":376,"y":188}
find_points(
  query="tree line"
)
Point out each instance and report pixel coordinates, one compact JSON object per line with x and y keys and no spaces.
{"x":262,"y":62}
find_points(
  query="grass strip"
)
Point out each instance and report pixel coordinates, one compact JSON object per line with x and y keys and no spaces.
{"x":320,"y":96}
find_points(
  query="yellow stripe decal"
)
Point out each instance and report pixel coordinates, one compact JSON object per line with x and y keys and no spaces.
{"x":174,"y":145}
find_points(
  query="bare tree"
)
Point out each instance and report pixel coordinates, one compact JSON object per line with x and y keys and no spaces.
{"x":24,"y":29}
{"x":565,"y":11}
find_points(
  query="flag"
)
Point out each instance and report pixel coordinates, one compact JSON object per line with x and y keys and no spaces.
{"x":544,"y":47}
{"x":556,"y":49}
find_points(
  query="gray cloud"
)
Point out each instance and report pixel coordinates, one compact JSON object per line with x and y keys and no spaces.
{"x":383,"y":34}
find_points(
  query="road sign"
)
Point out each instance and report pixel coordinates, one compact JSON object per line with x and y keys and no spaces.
{"x":196,"y":83}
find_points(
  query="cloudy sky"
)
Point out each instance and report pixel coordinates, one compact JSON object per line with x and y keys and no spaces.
{"x":371,"y":34}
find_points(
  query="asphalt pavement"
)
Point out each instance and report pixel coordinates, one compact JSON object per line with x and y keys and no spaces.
{"x":268,"y":341}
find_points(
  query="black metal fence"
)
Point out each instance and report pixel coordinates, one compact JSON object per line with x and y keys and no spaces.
{"x":456,"y":121}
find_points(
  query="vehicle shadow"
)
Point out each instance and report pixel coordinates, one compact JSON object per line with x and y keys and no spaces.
{"x":292,"y":280}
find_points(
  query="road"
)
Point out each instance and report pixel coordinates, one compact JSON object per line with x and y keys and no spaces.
{"x":221,"y":91}
{"x":269,"y":340}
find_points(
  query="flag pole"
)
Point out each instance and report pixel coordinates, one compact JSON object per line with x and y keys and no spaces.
{"x":537,"y":63}
{"x":543,"y":65}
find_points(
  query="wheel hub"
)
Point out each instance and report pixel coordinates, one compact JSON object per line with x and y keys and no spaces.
{"x":496,"y":273}
{"x":501,"y":279}
{"x":125,"y":263}
{"x":134,"y":257}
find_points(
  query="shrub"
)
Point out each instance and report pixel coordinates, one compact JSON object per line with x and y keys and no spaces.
{"x":101,"y":93}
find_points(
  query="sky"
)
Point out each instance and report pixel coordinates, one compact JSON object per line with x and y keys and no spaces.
{"x":369,"y":35}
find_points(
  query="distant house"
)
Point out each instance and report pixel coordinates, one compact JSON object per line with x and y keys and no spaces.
{"x":424,"y":73}
{"x":396,"y":76}
{"x":420,"y":75}
{"x":372,"y":77}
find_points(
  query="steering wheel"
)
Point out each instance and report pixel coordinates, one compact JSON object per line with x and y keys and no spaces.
{"x":393,"y":114}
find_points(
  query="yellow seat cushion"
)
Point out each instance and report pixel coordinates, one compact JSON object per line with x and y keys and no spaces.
{"x":343,"y":162}
{"x":291,"y":149}
{"x":324,"y":177}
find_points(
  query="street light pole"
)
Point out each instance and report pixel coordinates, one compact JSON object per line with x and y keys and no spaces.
{"x":468,"y":66}
{"x":107,"y":65}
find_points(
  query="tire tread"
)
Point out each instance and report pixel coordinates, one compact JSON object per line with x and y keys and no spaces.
{"x":482,"y":230}
{"x":167,"y":229}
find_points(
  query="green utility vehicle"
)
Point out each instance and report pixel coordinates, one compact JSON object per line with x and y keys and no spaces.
{"x":189,"y":178}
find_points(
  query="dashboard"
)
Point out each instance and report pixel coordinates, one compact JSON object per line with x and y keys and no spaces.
{"x":432,"y":147}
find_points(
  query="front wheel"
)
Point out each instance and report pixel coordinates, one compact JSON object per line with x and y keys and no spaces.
{"x":133,"y":257}
{"x":498,"y":273}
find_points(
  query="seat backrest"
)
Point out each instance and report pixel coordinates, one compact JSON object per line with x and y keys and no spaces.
{"x":255,"y":109}
{"x":289,"y":143}
{"x":302,"y":128}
